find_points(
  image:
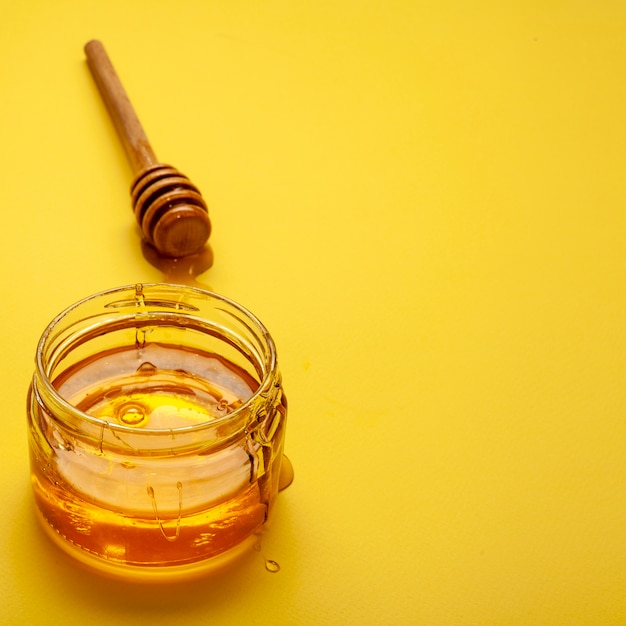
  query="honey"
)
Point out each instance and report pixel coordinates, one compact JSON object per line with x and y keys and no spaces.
{"x":157,"y":422}
{"x":157,"y":386}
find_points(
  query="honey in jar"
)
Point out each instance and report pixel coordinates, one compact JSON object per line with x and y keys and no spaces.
{"x":157,"y":421}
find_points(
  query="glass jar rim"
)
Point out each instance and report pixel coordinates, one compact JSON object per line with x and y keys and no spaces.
{"x":269,"y":363}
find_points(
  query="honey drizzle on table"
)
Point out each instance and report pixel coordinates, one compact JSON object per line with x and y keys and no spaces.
{"x":180,"y":270}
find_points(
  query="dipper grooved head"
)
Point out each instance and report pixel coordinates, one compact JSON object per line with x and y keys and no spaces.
{"x":170,"y":211}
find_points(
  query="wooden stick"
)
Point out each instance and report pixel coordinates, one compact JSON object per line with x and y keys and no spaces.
{"x":122,"y":113}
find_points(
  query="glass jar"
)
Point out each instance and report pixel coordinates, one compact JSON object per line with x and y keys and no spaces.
{"x":157,"y":422}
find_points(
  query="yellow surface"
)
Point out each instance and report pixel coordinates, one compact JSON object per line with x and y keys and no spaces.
{"x":425,"y":203}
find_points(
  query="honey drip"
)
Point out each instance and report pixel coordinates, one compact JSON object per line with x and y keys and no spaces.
{"x":286,"y":474}
{"x":270,"y":565}
{"x":176,"y":534}
{"x":180,"y":270}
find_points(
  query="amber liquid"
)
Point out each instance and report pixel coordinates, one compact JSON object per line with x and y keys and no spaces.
{"x":183,"y":270}
{"x":137,"y":510}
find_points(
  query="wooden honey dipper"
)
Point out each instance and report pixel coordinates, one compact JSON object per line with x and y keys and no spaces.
{"x":169,"y":208}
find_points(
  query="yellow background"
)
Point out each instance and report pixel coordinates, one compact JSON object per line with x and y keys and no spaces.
{"x":425,"y":204}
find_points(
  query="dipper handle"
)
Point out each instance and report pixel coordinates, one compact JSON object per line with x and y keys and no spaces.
{"x":120,"y":108}
{"x":169,"y":209}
